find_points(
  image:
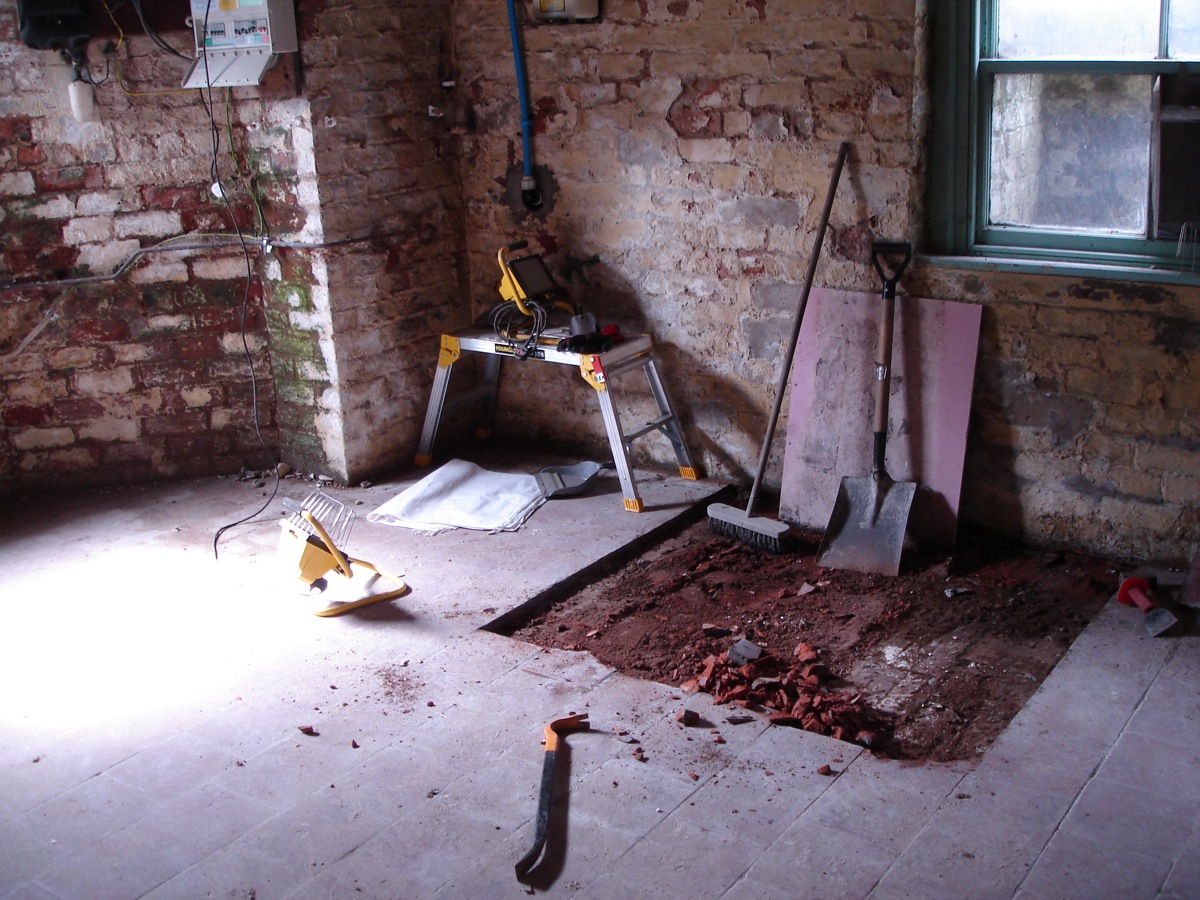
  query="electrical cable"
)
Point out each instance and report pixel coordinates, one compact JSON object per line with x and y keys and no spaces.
{"x":263,"y":238}
{"x":264,"y":229}
{"x":219,"y":190}
{"x":219,"y":240}
{"x":155,"y":36}
{"x":167,"y":245}
{"x":47,"y":317}
{"x":506,"y":318}
{"x":81,"y":68}
{"x":111,"y":10}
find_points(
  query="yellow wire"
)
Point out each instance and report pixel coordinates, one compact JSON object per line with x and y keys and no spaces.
{"x":117,"y":59}
{"x":237,"y":167}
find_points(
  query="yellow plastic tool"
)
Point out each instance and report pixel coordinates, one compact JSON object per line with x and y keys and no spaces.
{"x":510,"y":288}
{"x":307,"y":538}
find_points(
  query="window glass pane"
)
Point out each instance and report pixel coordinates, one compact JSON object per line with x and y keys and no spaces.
{"x":1071,"y":152}
{"x":1183,"y":37}
{"x":1098,"y":29}
{"x":1179,"y":136}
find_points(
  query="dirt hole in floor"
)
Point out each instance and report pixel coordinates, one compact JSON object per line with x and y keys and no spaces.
{"x":931,"y":664}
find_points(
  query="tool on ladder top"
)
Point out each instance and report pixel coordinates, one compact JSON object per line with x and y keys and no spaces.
{"x":519,"y":330}
{"x":315,"y":527}
{"x":529,"y":295}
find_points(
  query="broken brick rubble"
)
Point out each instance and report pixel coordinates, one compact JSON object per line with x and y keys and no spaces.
{"x":796,"y":691}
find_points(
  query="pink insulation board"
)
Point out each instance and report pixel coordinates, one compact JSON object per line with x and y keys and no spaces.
{"x":829,"y":427}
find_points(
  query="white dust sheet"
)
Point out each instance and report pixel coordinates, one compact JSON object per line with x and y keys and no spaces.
{"x":462,"y":495}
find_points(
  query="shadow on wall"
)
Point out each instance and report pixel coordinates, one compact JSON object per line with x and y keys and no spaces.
{"x":991,"y":487}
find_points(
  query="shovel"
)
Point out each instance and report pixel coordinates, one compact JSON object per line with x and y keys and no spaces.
{"x":870,"y":516}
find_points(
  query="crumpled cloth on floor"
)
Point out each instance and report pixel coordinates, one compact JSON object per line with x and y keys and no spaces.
{"x":463,"y":495}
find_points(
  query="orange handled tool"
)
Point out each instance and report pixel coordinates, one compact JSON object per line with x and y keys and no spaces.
{"x":552,"y":731}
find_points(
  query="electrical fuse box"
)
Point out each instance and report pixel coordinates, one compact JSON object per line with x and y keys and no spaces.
{"x":237,"y":40}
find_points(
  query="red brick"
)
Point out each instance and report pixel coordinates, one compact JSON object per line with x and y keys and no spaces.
{"x":71,"y":178}
{"x":16,"y":130}
{"x":99,"y":331}
{"x":223,"y":319}
{"x":32,"y":235}
{"x":30,"y":157}
{"x":69,"y":411}
{"x":27,"y":416}
{"x":157,"y":197}
{"x":180,"y":423}
{"x":186,"y":347}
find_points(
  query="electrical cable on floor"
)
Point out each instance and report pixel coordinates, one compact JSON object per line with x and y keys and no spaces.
{"x":219,"y":190}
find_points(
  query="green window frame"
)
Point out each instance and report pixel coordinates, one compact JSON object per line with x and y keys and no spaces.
{"x":965,"y":70}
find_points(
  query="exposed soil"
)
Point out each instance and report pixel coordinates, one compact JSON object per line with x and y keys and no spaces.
{"x":931,"y":664}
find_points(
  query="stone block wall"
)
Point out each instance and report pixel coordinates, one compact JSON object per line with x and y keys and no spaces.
{"x":691,"y":144}
{"x":1084,"y":426}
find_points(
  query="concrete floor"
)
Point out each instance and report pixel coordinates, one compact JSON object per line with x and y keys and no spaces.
{"x":152,"y":701}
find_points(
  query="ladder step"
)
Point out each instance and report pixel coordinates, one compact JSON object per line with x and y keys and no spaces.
{"x":619,"y":368}
{"x":647,"y":428}
{"x":473,"y":395}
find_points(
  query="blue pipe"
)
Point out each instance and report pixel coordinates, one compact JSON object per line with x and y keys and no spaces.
{"x":530,"y":195}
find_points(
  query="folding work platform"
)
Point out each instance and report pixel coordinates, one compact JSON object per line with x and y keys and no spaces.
{"x":598,"y":369}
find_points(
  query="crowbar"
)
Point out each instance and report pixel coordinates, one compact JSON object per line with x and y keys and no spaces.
{"x":552,"y":731}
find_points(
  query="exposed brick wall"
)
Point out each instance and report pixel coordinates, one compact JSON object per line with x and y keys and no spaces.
{"x":360,"y":273}
{"x":691,"y":143}
{"x":1084,"y":428}
{"x":369,"y":311}
{"x":140,"y":376}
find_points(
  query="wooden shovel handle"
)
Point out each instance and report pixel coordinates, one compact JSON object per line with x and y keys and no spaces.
{"x":883,"y":355}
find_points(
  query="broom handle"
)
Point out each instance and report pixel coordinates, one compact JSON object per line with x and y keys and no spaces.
{"x":785,"y":373}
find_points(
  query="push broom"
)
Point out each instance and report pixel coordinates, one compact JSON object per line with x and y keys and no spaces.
{"x":758,"y":531}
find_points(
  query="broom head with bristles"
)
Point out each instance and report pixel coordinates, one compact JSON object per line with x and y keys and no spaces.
{"x":762,"y":533}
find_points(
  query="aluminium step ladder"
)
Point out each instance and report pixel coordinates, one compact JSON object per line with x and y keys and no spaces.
{"x":597,"y":369}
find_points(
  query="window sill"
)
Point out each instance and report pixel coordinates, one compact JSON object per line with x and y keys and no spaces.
{"x":1073,"y":269}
